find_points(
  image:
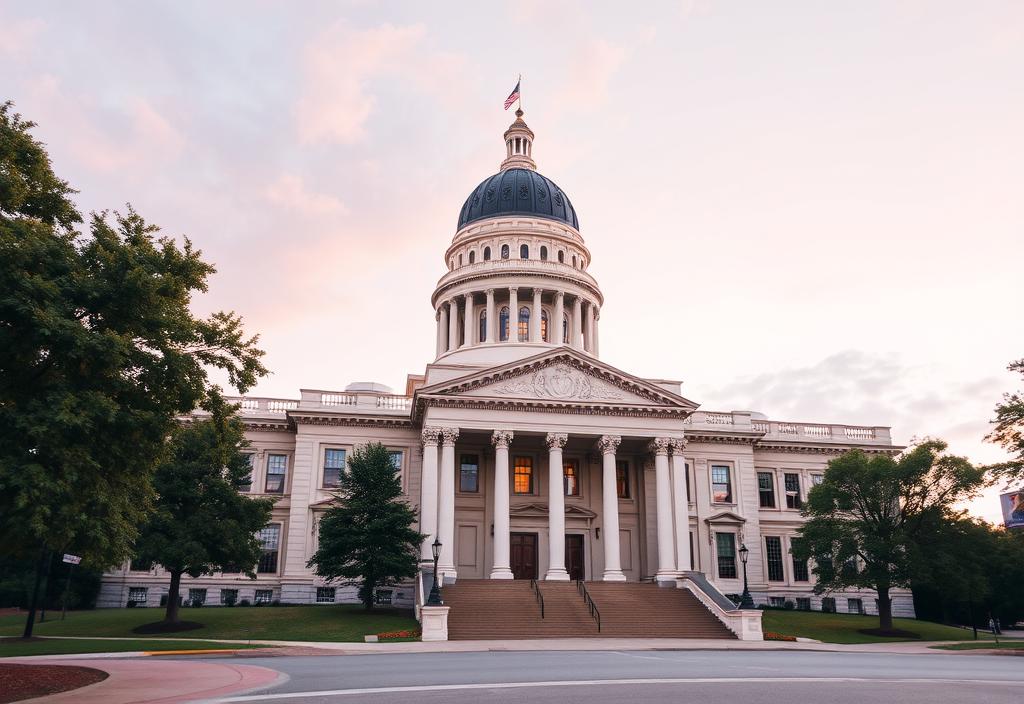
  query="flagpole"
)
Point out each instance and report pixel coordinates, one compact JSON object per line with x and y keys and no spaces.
{"x":520,"y":83}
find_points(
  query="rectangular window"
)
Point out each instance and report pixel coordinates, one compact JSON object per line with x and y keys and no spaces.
{"x":571,"y":477}
{"x":773,"y":555}
{"x":855,"y":606}
{"x":228,"y":597}
{"x":251,"y":458}
{"x":270,"y":538}
{"x":138,"y":595}
{"x":726,"y":544}
{"x":622,"y":479}
{"x":721,"y":485}
{"x":817,"y":479}
{"x":264,"y":596}
{"x":334,"y":465}
{"x":397,"y":457}
{"x":197,"y":596}
{"x":469,"y":474}
{"x":277,"y":468}
{"x":777,"y":601}
{"x":803,"y":603}
{"x":522,"y":481}
{"x":793,"y":491}
{"x":766,"y":489}
{"x":325,"y":595}
{"x":800,"y":571}
{"x":828,"y":604}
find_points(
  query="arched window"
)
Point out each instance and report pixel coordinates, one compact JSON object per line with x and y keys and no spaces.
{"x":472,"y":257}
{"x":483,"y":326}
{"x":524,"y":324}
{"x":504,"y":251}
{"x":487,"y":254}
{"x":574,"y":261}
{"x":544,"y":325}
{"x":561,"y":257}
{"x":543,"y":253}
{"x":503,"y":324}
{"x":524,"y":251}
{"x":565,"y":328}
{"x":460,"y":260}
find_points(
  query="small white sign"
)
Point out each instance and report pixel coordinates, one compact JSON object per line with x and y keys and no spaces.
{"x":72,"y":559}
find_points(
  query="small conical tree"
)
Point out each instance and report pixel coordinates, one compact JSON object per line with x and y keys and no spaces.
{"x":367,"y":540}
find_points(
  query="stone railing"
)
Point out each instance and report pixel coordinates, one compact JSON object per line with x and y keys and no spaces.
{"x":778,"y":430}
{"x":252,"y":404}
{"x":355,"y":401}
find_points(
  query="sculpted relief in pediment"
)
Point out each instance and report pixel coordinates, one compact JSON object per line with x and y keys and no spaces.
{"x":560,"y":382}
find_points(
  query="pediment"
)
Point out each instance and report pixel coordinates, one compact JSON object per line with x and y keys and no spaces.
{"x":541,"y":511}
{"x":725,"y":517}
{"x":559,"y":377}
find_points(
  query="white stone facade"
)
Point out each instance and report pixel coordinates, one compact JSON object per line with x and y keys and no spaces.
{"x":527,"y":456}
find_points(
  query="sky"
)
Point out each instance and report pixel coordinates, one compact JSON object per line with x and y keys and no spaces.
{"x":812,"y":210}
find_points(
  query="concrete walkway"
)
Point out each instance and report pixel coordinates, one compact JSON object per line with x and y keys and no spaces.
{"x":160,"y":682}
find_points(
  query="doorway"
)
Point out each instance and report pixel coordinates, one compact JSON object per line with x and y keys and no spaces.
{"x":574,"y":556}
{"x":523,"y":555}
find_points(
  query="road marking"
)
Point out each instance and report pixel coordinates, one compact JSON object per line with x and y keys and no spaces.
{"x":584,"y":683}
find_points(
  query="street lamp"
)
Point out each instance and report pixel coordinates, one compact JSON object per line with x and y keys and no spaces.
{"x":435,"y":596}
{"x":745,"y":601}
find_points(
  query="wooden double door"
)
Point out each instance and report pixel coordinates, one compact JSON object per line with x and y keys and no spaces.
{"x":524,"y":559}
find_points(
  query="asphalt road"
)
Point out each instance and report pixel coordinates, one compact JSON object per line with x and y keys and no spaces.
{"x":710,"y":677}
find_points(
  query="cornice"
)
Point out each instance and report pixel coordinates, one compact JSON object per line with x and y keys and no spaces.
{"x":314,"y":418}
{"x":267,"y":426}
{"x":563,"y":408}
{"x":812,"y":449}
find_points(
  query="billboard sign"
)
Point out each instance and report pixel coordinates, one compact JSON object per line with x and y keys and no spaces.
{"x":1012,"y":504}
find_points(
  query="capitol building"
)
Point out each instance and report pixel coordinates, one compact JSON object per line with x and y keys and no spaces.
{"x":528,"y":457}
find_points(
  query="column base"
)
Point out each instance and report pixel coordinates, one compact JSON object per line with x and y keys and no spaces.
{"x":666,"y":578}
{"x":556,"y":576}
{"x":613,"y":576}
{"x":501,"y":573}
{"x":448,"y":575}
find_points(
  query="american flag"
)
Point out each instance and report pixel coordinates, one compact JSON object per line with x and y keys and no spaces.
{"x":513,"y":96}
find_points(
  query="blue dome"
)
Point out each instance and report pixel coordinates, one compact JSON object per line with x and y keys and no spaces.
{"x":518,"y":192}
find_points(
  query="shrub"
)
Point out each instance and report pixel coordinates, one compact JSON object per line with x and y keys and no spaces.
{"x":230,"y":597}
{"x":277,"y":602}
{"x":133,"y":604}
{"x":788,"y":604}
{"x":245,"y":602}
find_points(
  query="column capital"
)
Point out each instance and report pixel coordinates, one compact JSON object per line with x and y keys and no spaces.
{"x":449,"y":435}
{"x":537,"y":291}
{"x":608,"y":444}
{"x":678,"y":445}
{"x":556,"y":441}
{"x":560,"y":294}
{"x":514,"y":289}
{"x":429,"y":435}
{"x":501,"y":438}
{"x":658,"y":446}
{"x":489,"y":291}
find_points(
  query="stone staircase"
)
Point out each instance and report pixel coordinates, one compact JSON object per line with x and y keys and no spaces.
{"x":509,"y":609}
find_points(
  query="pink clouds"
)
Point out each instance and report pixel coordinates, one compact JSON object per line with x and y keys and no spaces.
{"x":290,"y":191}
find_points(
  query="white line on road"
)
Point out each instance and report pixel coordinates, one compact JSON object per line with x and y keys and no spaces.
{"x":584,"y":683}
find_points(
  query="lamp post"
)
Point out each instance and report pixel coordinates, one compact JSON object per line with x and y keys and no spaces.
{"x":435,"y":596}
{"x":745,"y":601}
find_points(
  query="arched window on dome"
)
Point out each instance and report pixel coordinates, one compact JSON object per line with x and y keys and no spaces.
{"x":460,"y":260}
{"x":503,"y":324}
{"x":543,"y":253}
{"x":487,"y":254}
{"x":574,"y":261}
{"x":544,"y":325}
{"x":472,"y":257}
{"x":483,"y":326}
{"x":565,"y":328}
{"x":524,"y":324}
{"x":504,"y":251}
{"x":561,"y":257}
{"x":524,"y":251}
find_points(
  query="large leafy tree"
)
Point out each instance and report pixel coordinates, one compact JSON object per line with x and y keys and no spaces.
{"x":200,"y":522}
{"x":367,"y":539}
{"x":99,"y":353}
{"x":865,"y":519}
{"x":1009,"y":432}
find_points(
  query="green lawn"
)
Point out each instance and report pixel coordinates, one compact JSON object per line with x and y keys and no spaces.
{"x":339,"y":623}
{"x":843,"y":628}
{"x":986,"y":645}
{"x":15,"y":647}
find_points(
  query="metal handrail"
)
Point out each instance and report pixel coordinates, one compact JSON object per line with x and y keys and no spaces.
{"x":594,"y":612}
{"x":540,"y":597}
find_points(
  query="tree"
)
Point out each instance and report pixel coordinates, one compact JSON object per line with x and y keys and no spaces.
{"x":1009,"y":432}
{"x":864,"y":519}
{"x":99,"y":353}
{"x":200,"y":522}
{"x":367,"y":539}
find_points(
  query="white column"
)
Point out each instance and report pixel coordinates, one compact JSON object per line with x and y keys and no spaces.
{"x":666,"y":548}
{"x":440,"y":333}
{"x":556,"y":330}
{"x":577,"y":323}
{"x":444,"y":328}
{"x":597,"y":346}
{"x":608,"y":444}
{"x":502,"y":567}
{"x":492,"y":321}
{"x":590,"y":328}
{"x":556,"y":508}
{"x":467,"y":320}
{"x":446,"y":503}
{"x":535,"y":317}
{"x":513,"y":315}
{"x":428,"y":492}
{"x":680,"y":505}
{"x":453,"y":324}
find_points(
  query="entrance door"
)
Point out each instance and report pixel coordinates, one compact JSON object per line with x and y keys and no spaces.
{"x":523,"y":555}
{"x":574,"y":556}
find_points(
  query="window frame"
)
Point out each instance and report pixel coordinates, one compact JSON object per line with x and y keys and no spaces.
{"x":136,"y":592}
{"x":524,"y":251}
{"x":532,"y":489}
{"x":324,"y":467}
{"x":623,"y":491}
{"x":543,"y":253}
{"x":761,"y":491}
{"x":247,"y":488}
{"x":523,"y":324}
{"x":224,"y":591}
{"x":775,"y":564}
{"x":283,"y":475}
{"x":794,"y":502}
{"x":476,"y":474}
{"x":504,"y":323}
{"x":264,"y":551}
{"x":487,"y":254}
{"x":263,"y":596}
{"x":575,"y":465}
{"x":850,"y":601}
{"x":719,"y":557}
{"x":505,"y":251}
{"x":730,"y":498}
{"x":801,"y":568}
{"x":322,"y":593}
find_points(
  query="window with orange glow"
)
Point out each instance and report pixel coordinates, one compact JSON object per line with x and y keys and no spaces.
{"x":571,"y":472}
{"x":522,"y":476}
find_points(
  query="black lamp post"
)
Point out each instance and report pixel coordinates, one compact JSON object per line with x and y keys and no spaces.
{"x":745,"y":601}
{"x":435,"y":595}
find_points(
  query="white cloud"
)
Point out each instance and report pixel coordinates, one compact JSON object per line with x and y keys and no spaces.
{"x":290,"y":191}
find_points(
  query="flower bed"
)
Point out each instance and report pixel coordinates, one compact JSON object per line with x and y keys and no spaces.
{"x":768,"y":635}
{"x":394,"y":635}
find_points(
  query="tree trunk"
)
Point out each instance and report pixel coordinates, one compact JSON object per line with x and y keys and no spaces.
{"x":368,"y":589}
{"x":884,"y":609}
{"x":30,"y":622}
{"x":171,"y":616}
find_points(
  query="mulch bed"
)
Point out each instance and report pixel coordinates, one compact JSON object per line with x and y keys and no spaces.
{"x":889,"y":633}
{"x":164,"y":627}
{"x":19,"y":682}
